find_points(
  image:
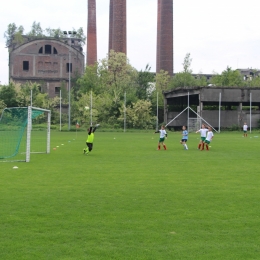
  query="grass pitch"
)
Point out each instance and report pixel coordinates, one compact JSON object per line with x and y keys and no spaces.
{"x":126,"y":200}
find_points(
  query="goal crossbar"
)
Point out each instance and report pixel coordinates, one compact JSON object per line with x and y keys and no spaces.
{"x":197,"y":116}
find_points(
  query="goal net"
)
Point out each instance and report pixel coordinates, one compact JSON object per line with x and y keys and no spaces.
{"x":24,"y":130}
{"x":194,"y":124}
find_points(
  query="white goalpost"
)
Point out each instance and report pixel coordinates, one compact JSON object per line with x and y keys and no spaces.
{"x":24,"y":130}
{"x":29,"y":131}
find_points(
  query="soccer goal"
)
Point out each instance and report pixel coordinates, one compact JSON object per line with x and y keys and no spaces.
{"x":193,"y":124}
{"x":24,"y":130}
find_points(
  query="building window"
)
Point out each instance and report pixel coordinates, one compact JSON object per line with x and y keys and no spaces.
{"x":57,"y":90}
{"x":40,"y":50}
{"x":26,"y":65}
{"x":55,"y":50}
{"x":69,"y":67}
{"x":47,"y":49}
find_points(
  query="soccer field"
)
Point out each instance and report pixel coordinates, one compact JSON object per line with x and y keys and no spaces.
{"x":126,"y":200}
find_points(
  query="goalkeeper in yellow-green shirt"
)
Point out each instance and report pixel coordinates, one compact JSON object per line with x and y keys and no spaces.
{"x":90,"y":139}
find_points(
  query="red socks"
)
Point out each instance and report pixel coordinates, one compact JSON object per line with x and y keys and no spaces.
{"x":164,"y":146}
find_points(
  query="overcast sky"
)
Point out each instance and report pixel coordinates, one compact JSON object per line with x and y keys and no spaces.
{"x":217,"y":33}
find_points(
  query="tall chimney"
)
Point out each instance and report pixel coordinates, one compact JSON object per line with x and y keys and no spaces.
{"x":164,"y":55}
{"x":91,"y":34}
{"x":111,"y":6}
{"x":117,"y":26}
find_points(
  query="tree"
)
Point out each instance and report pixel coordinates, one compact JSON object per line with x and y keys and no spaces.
{"x":201,"y":81}
{"x":187,"y":63}
{"x":58,"y":33}
{"x":2,"y":106}
{"x":117,"y":73}
{"x":255,"y":82}
{"x":79,"y":111}
{"x":80,"y":34}
{"x":139,"y":115}
{"x":89,"y":81}
{"x":117,"y":76}
{"x":13,"y":34}
{"x":162,"y":80}
{"x":108,"y":80}
{"x":8,"y":95}
{"x":185,"y":77}
{"x":228,"y":78}
{"x":36,"y":30}
{"x":55,"y":33}
{"x":24,"y":93}
{"x":144,"y":79}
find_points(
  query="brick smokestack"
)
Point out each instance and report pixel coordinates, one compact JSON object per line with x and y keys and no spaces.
{"x":91,"y":33}
{"x":117,"y":26}
{"x":111,"y":6}
{"x":164,"y":55}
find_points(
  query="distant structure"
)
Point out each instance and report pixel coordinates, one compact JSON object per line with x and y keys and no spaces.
{"x":230,"y":102}
{"x":164,"y":55}
{"x":46,"y":61}
{"x":117,"y":26}
{"x":110,"y":36}
{"x":248,"y":74}
{"x":91,"y":34}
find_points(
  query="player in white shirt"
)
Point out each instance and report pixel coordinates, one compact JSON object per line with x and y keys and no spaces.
{"x":209,"y":137}
{"x":245,"y":129}
{"x":203,"y":134}
{"x":163,"y":135}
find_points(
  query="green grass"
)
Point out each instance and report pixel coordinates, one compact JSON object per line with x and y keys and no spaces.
{"x":126,"y":200}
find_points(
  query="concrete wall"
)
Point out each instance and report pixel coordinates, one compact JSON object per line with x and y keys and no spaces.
{"x":203,"y":96}
{"x":227,"y":118}
{"x":229,"y":94}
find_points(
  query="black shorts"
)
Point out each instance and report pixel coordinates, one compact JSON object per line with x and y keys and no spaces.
{"x":90,"y":146}
{"x":184,"y":140}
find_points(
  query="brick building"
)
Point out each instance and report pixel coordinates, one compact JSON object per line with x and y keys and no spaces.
{"x":46,"y":61}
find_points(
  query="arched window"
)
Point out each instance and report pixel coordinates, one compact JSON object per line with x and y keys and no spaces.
{"x":47,"y":49}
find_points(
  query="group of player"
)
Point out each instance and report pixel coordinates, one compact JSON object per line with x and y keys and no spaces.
{"x":206,"y":136}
